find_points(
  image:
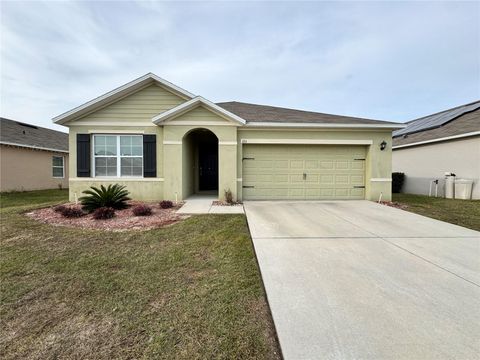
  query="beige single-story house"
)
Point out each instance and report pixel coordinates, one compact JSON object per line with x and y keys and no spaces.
{"x":32,"y":157}
{"x":164,"y":142}
{"x":445,"y":142}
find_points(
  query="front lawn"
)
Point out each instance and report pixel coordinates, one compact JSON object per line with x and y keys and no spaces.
{"x":460,"y":212}
{"x":188,"y":291}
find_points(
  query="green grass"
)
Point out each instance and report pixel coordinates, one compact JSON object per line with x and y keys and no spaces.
{"x":188,"y":291}
{"x":39,"y":197}
{"x":459,"y":212}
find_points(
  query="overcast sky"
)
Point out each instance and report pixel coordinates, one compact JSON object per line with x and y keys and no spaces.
{"x":383,"y":60}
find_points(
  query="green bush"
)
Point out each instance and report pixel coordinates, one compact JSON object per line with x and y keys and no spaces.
{"x":398,"y":179}
{"x":114,"y":196}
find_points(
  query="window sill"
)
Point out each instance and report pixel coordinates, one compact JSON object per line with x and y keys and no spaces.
{"x":116,"y":179}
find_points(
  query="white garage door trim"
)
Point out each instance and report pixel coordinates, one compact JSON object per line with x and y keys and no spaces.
{"x":307,"y":141}
{"x":303,"y":171}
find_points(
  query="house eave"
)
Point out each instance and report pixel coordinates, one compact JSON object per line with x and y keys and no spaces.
{"x":438,"y":140}
{"x":33,"y":147}
{"x":323,"y":125}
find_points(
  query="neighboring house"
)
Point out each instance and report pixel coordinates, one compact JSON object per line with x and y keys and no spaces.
{"x":32,"y":157}
{"x":163,"y":142}
{"x":448,"y":141}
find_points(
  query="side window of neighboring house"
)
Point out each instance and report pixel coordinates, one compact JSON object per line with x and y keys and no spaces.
{"x":57,"y":167}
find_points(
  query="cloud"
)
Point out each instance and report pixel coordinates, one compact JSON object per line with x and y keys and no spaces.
{"x":393,"y":61}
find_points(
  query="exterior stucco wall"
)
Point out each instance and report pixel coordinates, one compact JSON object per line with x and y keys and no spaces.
{"x":24,"y":169}
{"x":421,"y":164}
{"x":378,"y":163}
{"x":140,"y":189}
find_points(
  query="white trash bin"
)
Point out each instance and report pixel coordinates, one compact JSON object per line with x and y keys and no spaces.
{"x":463,"y":189}
{"x":449,"y":185}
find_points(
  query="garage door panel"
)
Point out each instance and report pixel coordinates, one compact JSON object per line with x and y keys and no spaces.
{"x":303,"y":172}
{"x":357,"y":180}
{"x":296,"y":164}
{"x":327,"y":165}
{"x":281,"y":164}
{"x":296,"y":178}
{"x":341,"y":165}
{"x":357,"y":165}
{"x":342,"y":179}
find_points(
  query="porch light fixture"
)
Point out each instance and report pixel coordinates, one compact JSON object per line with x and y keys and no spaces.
{"x":383,"y":145}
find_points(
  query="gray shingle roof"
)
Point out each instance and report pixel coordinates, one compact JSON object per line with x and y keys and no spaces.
{"x":264,"y":113}
{"x":15,"y":132}
{"x":461,"y":120}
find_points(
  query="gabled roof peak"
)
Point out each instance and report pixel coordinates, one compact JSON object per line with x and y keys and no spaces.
{"x":119,"y":93}
{"x":193,"y":103}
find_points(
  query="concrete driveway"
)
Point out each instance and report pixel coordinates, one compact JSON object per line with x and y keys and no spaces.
{"x":358,"y":280}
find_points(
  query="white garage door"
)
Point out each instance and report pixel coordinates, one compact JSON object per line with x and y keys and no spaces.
{"x":303,"y":172}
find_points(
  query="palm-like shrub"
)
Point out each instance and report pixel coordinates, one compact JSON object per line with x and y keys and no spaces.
{"x":114,"y":196}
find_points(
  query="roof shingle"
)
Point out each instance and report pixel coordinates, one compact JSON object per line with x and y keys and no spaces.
{"x":264,"y":113}
{"x":464,"y":122}
{"x":15,"y":132}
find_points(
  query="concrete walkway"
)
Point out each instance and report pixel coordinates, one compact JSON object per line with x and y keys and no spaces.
{"x":358,"y":280}
{"x":203,"y":204}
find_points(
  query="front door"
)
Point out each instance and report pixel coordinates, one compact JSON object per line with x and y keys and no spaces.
{"x":208,"y":167}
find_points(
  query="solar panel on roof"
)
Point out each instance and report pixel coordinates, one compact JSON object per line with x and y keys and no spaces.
{"x":436,"y":120}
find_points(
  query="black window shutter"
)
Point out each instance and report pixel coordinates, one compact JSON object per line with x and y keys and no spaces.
{"x":83,"y":155}
{"x":149,"y":156}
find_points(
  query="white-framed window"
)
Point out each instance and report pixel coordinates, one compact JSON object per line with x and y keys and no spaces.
{"x":117,"y":156}
{"x":58,"y":169}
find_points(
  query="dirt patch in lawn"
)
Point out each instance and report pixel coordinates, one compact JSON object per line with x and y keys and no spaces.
{"x":123,"y":220}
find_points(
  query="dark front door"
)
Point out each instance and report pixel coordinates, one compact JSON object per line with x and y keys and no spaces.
{"x":208,"y":166}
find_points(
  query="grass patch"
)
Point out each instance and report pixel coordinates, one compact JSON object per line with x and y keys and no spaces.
{"x":39,"y":197}
{"x":188,"y":291}
{"x":459,"y":212}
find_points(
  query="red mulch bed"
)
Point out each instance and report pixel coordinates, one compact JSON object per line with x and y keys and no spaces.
{"x":394,"y":204}
{"x":123,"y":220}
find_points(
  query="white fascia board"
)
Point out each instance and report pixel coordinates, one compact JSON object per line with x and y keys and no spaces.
{"x":447,"y":138}
{"x":307,"y":141}
{"x":325,"y":125}
{"x":193,"y":103}
{"x":33,"y":147}
{"x":119,"y":93}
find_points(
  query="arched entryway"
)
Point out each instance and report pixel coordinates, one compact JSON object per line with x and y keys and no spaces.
{"x":200,"y":163}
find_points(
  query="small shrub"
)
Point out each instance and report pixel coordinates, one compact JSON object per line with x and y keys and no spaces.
{"x":228,"y":196}
{"x":72,"y":212}
{"x":166,"y":204}
{"x":142,"y":210}
{"x":104,"y":213}
{"x":114,"y":196}
{"x":398,"y":178}
{"x":59,"y":208}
